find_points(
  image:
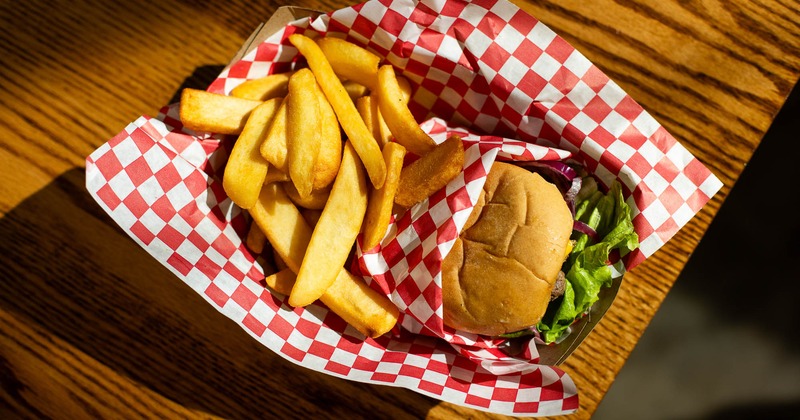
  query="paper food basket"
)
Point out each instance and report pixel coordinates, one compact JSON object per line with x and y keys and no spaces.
{"x":513,"y":90}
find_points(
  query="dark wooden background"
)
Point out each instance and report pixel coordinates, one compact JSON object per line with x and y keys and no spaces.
{"x":91,"y":326}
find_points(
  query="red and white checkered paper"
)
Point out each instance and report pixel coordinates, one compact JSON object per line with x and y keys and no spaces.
{"x":482,"y":65}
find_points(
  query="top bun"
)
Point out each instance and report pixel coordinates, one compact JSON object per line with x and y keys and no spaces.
{"x":498,"y":277}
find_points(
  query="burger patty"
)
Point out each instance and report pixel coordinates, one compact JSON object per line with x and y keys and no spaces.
{"x":559,"y":286}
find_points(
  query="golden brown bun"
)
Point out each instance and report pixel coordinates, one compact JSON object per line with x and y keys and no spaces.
{"x":498,"y":276}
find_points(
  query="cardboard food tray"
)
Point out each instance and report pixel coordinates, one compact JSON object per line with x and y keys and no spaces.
{"x":162,"y":185}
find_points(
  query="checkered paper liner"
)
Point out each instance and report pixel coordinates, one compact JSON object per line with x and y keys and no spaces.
{"x":483,"y":65}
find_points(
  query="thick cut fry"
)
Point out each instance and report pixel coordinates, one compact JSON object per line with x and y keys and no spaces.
{"x":279,"y":264}
{"x":394,"y":109}
{"x":256,"y":240}
{"x":316,"y":200}
{"x":349,"y":297}
{"x":405,"y":88}
{"x":302,"y":130}
{"x":335,"y":233}
{"x":430,"y":173}
{"x":274,"y":148}
{"x":282,"y":223}
{"x":354,"y":90}
{"x":381,"y":201}
{"x":311,"y":216}
{"x":214,"y":113}
{"x":246,"y":168}
{"x":384,"y":135}
{"x":275,"y":175}
{"x":380,"y":130}
{"x":367,"y":107}
{"x":272,"y":86}
{"x":330,"y":145}
{"x":282,"y":281}
{"x":352,"y":124}
{"x":351,"y":62}
{"x":366,"y":310}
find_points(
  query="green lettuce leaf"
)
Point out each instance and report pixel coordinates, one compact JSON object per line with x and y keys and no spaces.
{"x":587,"y":269}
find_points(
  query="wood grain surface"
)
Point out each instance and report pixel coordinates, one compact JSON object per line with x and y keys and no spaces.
{"x":92,"y":327}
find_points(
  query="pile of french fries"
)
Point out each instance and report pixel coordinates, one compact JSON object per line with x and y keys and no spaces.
{"x":318,"y":161}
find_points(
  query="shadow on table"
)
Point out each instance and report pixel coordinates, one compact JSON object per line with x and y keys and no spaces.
{"x":71,"y":271}
{"x":724,"y":343}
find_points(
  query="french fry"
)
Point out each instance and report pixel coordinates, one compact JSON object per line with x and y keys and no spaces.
{"x":302,"y":130}
{"x":349,"y":297}
{"x":381,"y":201}
{"x":354,"y":90}
{"x":268,"y":87}
{"x":281,"y":281}
{"x":335,"y":233}
{"x":256,"y":240}
{"x":405,"y":88}
{"x":384,"y":135}
{"x":315,"y":200}
{"x":330,"y":146}
{"x":351,"y":62}
{"x":367,"y":107}
{"x":430,"y":173}
{"x":350,"y":120}
{"x":274,"y":146}
{"x":275,"y":175}
{"x":394,"y":109}
{"x":213,"y":112}
{"x":366,"y":310}
{"x":246,"y":168}
{"x":282,"y":223}
{"x":311,"y":216}
{"x":279,"y":263}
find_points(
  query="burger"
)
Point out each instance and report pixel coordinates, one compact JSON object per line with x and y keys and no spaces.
{"x":533,"y":255}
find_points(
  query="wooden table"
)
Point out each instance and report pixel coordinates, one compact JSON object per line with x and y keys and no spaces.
{"x":91,"y":326}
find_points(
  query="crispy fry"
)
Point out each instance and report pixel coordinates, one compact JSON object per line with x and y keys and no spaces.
{"x":272,"y":86}
{"x":279,"y":263}
{"x":256,"y":240}
{"x":381,"y":201}
{"x":430,"y":173}
{"x":366,"y":310}
{"x":367,"y":107}
{"x":351,"y":62}
{"x":352,"y":124}
{"x":246,"y":168}
{"x":311,"y":216}
{"x":275,"y":175}
{"x":335,"y":233}
{"x":330,"y":146}
{"x":282,"y":281}
{"x":394,"y":109}
{"x":405,"y":88}
{"x":274,"y":148}
{"x":354,"y":90}
{"x":349,"y":297}
{"x":281,"y":222}
{"x":302,"y":130}
{"x":215,"y":113}
{"x":315,"y":200}
{"x":384,"y":135}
